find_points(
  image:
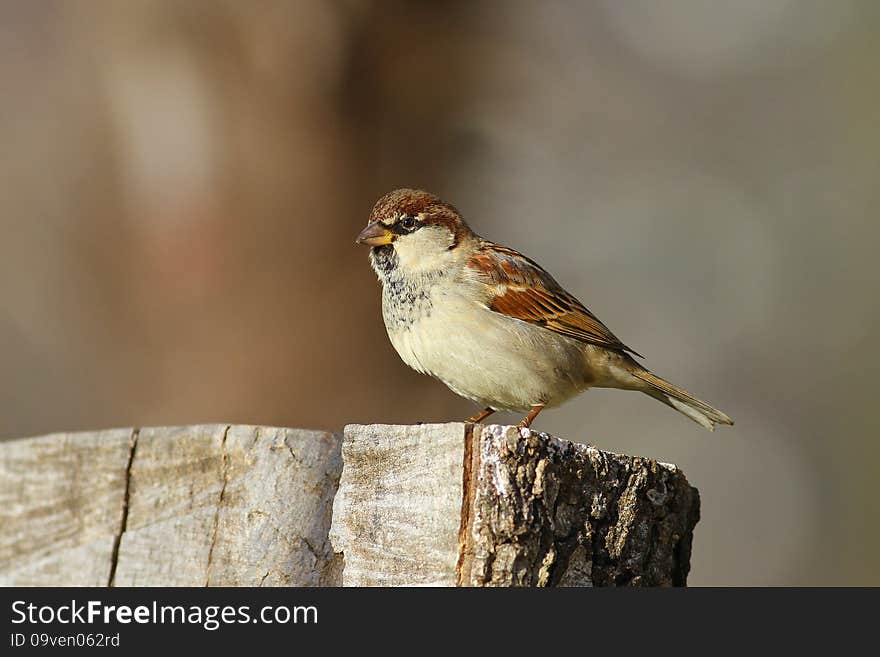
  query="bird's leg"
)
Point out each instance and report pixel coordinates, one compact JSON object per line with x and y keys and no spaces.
{"x":528,"y":419}
{"x":482,"y":415}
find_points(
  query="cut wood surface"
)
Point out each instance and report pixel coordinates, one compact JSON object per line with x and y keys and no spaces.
{"x":398,"y":510}
{"x":61,"y":507}
{"x":444,"y":504}
{"x":187,"y":506}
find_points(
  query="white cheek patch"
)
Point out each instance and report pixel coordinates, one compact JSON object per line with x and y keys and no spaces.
{"x":426,"y":249}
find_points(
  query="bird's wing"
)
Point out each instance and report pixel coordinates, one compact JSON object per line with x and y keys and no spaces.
{"x":521,"y":289}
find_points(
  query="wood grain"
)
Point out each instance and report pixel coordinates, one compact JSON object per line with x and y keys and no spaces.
{"x":61,"y":507}
{"x":179,"y":506}
{"x":397,"y":512}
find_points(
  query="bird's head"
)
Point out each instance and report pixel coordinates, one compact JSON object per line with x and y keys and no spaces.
{"x":416,"y":231}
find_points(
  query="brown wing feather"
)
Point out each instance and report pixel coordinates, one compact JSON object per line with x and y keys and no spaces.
{"x":530,"y":294}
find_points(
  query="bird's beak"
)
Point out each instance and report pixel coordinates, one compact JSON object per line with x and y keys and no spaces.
{"x":375,"y":234}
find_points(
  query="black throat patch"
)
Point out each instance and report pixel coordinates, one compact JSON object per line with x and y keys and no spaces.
{"x":384,"y":258}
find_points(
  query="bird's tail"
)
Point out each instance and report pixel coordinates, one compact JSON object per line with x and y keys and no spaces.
{"x":681,"y":400}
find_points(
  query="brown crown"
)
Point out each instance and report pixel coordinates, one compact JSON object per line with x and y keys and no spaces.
{"x":418,"y":203}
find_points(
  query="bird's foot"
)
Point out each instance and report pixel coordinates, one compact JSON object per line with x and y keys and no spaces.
{"x":479,"y":417}
{"x":528,"y":419}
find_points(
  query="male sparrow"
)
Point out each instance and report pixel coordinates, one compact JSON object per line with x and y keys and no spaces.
{"x":492,"y":324}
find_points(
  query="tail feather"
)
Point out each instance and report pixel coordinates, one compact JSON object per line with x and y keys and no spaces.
{"x":681,"y":400}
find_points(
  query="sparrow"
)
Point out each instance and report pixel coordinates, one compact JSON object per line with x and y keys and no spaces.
{"x":492,"y":324}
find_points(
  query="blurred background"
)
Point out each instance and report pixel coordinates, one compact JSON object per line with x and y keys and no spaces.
{"x":181,"y":184}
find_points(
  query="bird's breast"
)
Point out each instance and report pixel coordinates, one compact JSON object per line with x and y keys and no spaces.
{"x":417,"y":314}
{"x":404,"y":303}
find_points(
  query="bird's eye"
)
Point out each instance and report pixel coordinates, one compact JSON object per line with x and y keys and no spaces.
{"x":409,"y":222}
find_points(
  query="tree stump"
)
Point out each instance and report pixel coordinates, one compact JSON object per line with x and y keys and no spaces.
{"x":443,"y":504}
